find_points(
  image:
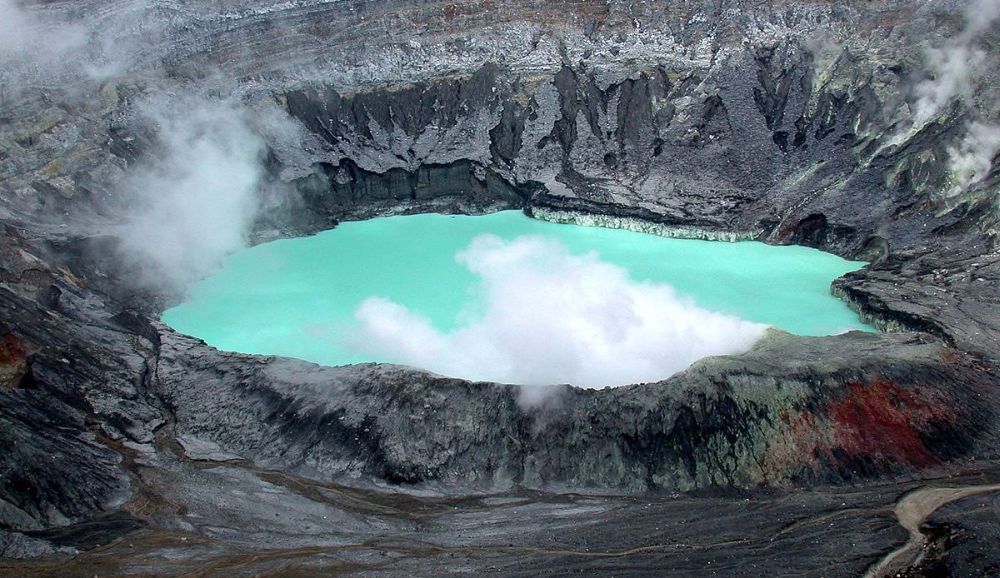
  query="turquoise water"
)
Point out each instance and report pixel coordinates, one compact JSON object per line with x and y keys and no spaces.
{"x":300,"y":297}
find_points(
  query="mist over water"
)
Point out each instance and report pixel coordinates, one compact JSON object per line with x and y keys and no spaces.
{"x":511,"y":299}
{"x":194,"y":197}
{"x":550,"y":316}
{"x":194,"y":193}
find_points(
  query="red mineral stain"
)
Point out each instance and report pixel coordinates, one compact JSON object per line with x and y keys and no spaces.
{"x":882,"y":420}
{"x":13,"y":361}
{"x":11,"y":350}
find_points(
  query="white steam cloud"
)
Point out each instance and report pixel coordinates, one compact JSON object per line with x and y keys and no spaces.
{"x":954,"y":68}
{"x":971,"y":159}
{"x":954,"y":65}
{"x":980,"y":16}
{"x":553,"y":317}
{"x":23,"y":34}
{"x":55,"y":45}
{"x":32,"y":49}
{"x":195,"y":197}
{"x":14,"y":24}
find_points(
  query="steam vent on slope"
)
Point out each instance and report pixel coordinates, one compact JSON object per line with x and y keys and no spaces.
{"x":296,"y":288}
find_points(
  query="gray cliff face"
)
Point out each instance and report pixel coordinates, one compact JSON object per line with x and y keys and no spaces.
{"x":755,"y":420}
{"x":790,"y":123}
{"x":752,"y":124}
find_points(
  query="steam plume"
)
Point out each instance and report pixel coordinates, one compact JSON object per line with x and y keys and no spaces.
{"x":971,"y":159}
{"x":553,"y":317}
{"x":195,"y":197}
{"x":954,"y":67}
{"x":24,"y":35}
{"x":52,"y":46}
{"x":32,"y":49}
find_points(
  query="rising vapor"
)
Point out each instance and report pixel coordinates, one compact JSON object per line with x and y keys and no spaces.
{"x":954,"y":65}
{"x":953,"y":69}
{"x":33,"y":51}
{"x":552,"y":317}
{"x":971,"y":159}
{"x":23,"y":35}
{"x":195,"y":197}
{"x":49,"y":46}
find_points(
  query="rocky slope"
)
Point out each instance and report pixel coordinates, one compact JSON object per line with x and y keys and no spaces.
{"x":794,"y":122}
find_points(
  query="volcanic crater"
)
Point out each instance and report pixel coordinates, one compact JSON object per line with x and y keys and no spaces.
{"x":131,"y":449}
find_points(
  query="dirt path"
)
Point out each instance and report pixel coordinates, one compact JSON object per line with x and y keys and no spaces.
{"x":911,"y":511}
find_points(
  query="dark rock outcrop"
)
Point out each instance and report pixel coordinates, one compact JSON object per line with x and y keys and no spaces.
{"x":792,"y":411}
